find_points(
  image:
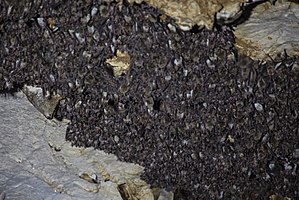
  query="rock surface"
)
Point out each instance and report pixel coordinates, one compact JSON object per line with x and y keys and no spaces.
{"x":187,"y":13}
{"x":270,"y":30}
{"x":45,"y":104}
{"x":37,"y":163}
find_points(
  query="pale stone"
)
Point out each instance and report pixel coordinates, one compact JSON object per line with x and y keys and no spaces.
{"x":270,"y":30}
{"x":40,"y":164}
{"x":187,"y":13}
{"x":46,"y":105}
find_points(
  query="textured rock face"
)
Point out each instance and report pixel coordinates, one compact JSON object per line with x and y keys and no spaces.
{"x":36,"y":162}
{"x":45,"y":104}
{"x":271,"y":30}
{"x":187,"y":13}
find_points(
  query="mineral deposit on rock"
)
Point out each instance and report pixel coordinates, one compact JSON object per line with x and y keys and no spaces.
{"x":39,"y":164}
{"x":190,"y":12}
{"x":270,"y":30}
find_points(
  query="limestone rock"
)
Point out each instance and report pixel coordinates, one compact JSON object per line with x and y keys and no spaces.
{"x":201,"y":12}
{"x":39,"y":163}
{"x":270,"y":30}
{"x":46,"y":105}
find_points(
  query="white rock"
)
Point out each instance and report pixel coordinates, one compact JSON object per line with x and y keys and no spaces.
{"x":44,"y":173}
